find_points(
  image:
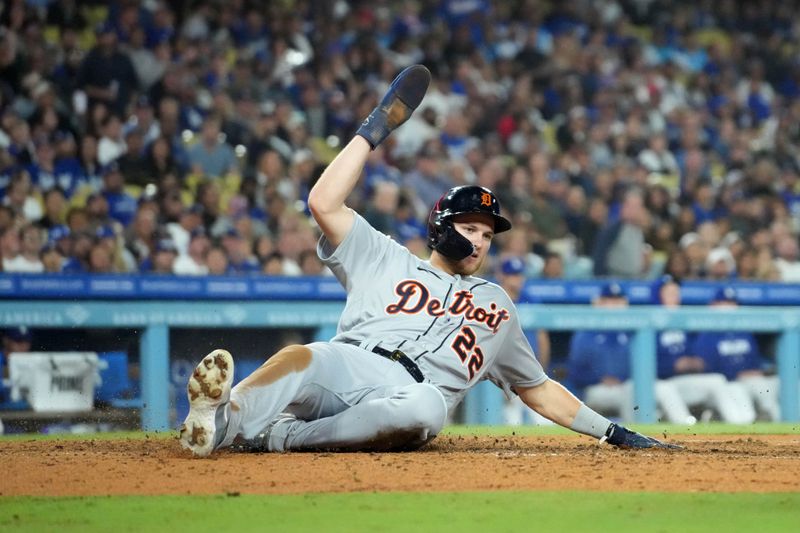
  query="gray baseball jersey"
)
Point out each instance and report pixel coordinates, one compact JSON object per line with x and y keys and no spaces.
{"x":459,"y":330}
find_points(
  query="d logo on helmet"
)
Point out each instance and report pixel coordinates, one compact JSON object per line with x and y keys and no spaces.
{"x":486,"y":199}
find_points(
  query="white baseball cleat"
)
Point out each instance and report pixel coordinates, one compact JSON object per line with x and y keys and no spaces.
{"x":209,"y":392}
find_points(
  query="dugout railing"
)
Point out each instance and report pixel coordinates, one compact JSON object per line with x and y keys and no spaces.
{"x":233,"y":306}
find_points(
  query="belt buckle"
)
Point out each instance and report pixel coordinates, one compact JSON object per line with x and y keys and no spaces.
{"x":396,"y":355}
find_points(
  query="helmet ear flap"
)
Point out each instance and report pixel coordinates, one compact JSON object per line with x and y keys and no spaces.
{"x":451,"y":243}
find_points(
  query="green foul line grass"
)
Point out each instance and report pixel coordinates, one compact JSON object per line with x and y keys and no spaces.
{"x":111,"y":435}
{"x":761,"y":428}
{"x":404,"y":512}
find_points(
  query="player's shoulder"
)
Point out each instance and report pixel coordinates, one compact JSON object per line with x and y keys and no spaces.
{"x":486,"y":285}
{"x":362,"y":225}
{"x":490,"y":289}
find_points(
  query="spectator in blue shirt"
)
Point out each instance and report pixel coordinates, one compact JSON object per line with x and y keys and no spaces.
{"x":239,"y":253}
{"x":212,"y":156}
{"x":696,"y":383}
{"x":164,"y":257}
{"x":599,"y":366}
{"x":121,"y":205}
{"x":736,"y":355}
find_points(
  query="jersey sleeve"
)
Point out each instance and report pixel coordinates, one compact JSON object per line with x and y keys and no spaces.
{"x":360,"y":255}
{"x":516,"y":364}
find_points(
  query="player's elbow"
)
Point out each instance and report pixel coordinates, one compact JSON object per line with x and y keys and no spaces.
{"x":319,"y":205}
{"x":315,"y":202}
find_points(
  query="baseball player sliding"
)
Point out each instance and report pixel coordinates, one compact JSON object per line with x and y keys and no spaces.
{"x":414,"y":336}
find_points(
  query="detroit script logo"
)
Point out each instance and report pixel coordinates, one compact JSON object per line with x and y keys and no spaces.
{"x":416,"y":298}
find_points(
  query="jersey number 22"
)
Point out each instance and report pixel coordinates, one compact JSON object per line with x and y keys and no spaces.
{"x":470,"y":354}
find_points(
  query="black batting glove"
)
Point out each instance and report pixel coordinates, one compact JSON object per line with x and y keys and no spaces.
{"x":402,"y":98}
{"x":625,"y":438}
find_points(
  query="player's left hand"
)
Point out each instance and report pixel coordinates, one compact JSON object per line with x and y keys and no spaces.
{"x":625,"y":438}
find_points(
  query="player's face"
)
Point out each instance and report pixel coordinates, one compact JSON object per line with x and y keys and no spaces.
{"x":479,"y":230}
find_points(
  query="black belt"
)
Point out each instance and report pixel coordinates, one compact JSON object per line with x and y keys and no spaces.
{"x":398,"y":356}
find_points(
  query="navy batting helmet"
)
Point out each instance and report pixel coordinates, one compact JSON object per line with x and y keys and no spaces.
{"x":443,"y":237}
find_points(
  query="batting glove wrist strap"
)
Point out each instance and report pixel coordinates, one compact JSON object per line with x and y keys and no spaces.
{"x":402,"y":98}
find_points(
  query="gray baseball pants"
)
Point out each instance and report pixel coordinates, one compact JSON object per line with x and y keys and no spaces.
{"x":344,"y":397}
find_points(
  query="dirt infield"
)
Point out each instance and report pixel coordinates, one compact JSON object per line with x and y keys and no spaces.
{"x":763,"y":463}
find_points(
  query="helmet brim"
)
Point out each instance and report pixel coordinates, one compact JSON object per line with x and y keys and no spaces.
{"x":501,"y":223}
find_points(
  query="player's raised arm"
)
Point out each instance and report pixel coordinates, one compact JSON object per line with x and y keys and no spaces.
{"x":327,"y":197}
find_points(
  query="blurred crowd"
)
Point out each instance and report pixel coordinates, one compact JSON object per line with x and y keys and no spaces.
{"x":624,"y":138}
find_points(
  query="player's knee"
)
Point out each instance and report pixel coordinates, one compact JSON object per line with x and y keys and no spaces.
{"x":429,"y":410}
{"x":292,"y":358}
